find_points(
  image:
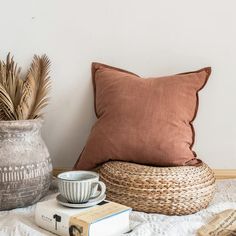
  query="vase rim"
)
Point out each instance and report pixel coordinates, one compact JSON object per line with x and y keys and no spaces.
{"x":13,"y":126}
{"x":37,"y":120}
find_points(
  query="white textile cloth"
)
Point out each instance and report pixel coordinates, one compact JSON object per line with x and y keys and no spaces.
{"x":20,"y":222}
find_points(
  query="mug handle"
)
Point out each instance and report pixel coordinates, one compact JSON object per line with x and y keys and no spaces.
{"x":102,"y":191}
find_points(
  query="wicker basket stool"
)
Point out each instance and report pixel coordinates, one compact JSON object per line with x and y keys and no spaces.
{"x":165,"y":190}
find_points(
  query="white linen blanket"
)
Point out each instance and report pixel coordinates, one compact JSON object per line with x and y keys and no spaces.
{"x":20,"y":222}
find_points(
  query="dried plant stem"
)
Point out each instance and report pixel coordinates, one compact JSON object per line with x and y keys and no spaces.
{"x":23,"y":98}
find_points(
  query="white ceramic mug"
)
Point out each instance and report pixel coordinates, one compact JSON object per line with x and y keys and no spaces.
{"x":80,"y":186}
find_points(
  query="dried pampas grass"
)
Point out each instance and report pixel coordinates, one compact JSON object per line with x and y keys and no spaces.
{"x":22,"y":99}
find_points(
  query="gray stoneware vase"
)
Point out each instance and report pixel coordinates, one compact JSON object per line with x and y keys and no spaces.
{"x":25,"y":165}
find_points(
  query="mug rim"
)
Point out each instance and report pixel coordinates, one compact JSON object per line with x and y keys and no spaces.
{"x":95,"y":175}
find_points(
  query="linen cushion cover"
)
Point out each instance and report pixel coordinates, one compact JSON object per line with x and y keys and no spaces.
{"x":145,"y":121}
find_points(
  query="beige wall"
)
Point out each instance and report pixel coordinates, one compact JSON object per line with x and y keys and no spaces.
{"x":148,"y":37}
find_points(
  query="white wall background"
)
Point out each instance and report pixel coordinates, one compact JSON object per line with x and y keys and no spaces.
{"x":148,"y":37}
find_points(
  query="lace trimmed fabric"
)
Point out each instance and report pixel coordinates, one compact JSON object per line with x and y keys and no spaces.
{"x":20,"y":222}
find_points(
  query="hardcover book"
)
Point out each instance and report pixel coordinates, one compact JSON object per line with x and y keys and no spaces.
{"x":105,"y":219}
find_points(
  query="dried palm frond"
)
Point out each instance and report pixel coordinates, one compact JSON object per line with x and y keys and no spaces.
{"x":10,"y":79}
{"x":27,"y":101}
{"x":43,"y":86}
{"x":7,"y":110}
{"x":23,"y":99}
{"x":35,"y":89}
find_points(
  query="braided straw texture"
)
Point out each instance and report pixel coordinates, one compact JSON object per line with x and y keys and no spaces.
{"x":166,"y":190}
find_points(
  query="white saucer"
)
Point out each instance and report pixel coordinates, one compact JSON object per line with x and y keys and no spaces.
{"x":90,"y":203}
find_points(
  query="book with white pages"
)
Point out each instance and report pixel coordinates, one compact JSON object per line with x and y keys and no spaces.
{"x":105,"y":219}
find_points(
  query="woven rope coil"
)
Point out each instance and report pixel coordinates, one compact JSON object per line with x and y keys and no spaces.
{"x":165,"y":190}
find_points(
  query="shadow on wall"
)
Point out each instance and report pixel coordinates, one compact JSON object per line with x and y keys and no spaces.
{"x":71,"y":131}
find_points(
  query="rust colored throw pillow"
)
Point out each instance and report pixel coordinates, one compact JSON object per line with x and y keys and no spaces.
{"x":146,"y":121}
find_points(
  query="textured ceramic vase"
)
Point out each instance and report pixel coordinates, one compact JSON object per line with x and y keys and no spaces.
{"x":25,"y":165}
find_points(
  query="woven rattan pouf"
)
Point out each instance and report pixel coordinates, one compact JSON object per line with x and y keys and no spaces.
{"x":165,"y":190}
